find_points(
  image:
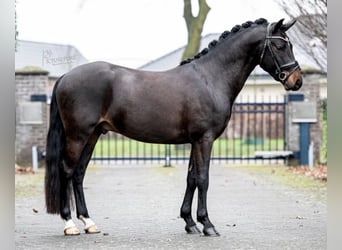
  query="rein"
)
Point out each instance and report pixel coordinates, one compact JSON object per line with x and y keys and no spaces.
{"x":280,"y":73}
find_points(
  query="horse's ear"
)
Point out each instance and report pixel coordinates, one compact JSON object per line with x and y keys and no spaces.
{"x":278,"y":25}
{"x":288,"y":25}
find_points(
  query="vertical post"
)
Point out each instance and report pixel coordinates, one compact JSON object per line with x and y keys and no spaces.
{"x":34,"y":159}
{"x":304,"y":141}
{"x":167,"y":155}
{"x":311,"y":155}
{"x":292,"y":129}
{"x":284,"y":122}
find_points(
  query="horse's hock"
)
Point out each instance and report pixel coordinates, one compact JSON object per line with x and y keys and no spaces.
{"x":31,"y":112}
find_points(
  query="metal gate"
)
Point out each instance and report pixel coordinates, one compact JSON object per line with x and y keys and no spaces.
{"x":253,"y":127}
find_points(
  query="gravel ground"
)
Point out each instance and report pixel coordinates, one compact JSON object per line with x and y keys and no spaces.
{"x":137,"y":207}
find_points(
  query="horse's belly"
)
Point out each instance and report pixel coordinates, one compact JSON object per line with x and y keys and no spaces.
{"x":149,"y":128}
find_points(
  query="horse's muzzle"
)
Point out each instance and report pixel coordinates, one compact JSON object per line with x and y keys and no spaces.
{"x":294,"y":81}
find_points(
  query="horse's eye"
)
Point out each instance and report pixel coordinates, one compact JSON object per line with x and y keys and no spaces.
{"x":280,"y":46}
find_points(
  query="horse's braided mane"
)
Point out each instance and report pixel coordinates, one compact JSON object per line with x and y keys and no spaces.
{"x":224,"y":36}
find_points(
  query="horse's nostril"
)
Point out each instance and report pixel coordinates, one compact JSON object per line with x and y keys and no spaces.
{"x":299,"y":83}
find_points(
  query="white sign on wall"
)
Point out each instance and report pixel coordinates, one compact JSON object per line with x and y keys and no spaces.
{"x":304,"y":112}
{"x":30,"y":113}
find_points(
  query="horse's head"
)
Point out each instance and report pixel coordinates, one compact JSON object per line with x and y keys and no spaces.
{"x":277,"y":56}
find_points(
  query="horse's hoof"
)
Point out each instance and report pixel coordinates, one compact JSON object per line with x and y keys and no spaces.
{"x":92,"y":230}
{"x":71,"y":231}
{"x":192,"y":229}
{"x":211,"y":231}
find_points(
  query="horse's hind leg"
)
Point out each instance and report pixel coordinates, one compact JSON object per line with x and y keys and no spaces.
{"x":65,"y":193}
{"x":77,"y":181}
{"x":73,"y":151}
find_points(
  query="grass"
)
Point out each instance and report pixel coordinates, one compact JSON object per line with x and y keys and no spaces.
{"x":222,"y":147}
{"x":29,"y":184}
{"x":281,"y":174}
{"x":32,"y":184}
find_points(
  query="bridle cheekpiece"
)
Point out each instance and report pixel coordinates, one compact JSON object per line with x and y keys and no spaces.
{"x":280,"y":69}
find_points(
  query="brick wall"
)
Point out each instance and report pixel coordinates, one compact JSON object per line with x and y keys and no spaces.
{"x":31,"y":116}
{"x":312,"y":93}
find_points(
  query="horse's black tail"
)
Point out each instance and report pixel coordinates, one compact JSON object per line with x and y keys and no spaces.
{"x":55,"y":145}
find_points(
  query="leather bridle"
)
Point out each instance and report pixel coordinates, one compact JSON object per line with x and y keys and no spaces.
{"x":280,"y":69}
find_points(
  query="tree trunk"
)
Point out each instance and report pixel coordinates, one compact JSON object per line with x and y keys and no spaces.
{"x":194,"y":25}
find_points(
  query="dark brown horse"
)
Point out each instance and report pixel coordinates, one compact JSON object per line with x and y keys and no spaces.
{"x":188,"y":104}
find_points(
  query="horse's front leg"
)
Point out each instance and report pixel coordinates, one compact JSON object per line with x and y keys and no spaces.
{"x":202,"y":151}
{"x":190,"y":227}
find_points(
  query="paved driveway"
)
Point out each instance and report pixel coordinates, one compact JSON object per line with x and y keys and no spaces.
{"x":137,"y":207}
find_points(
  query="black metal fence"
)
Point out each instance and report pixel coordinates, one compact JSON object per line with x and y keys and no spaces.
{"x":253,"y":127}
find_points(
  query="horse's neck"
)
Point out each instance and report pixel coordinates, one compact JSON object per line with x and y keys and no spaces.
{"x":229,"y":66}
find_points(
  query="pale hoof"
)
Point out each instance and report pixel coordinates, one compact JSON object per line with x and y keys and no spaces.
{"x":92,"y":229}
{"x":71,"y":231}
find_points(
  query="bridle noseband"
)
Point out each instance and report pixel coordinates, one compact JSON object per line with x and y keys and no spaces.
{"x":280,"y":73}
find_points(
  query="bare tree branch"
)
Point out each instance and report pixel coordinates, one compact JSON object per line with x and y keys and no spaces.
{"x":311,"y":26}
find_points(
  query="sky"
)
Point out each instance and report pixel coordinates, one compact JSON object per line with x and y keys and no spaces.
{"x":129,"y":32}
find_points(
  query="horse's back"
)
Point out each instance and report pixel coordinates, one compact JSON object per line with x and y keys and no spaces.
{"x":88,"y":73}
{"x":90,"y":80}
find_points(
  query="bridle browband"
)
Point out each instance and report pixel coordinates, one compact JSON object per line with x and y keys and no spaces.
{"x":280,"y":73}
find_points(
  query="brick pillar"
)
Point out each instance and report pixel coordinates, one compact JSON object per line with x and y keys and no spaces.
{"x":311,"y":92}
{"x":31,"y":112}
